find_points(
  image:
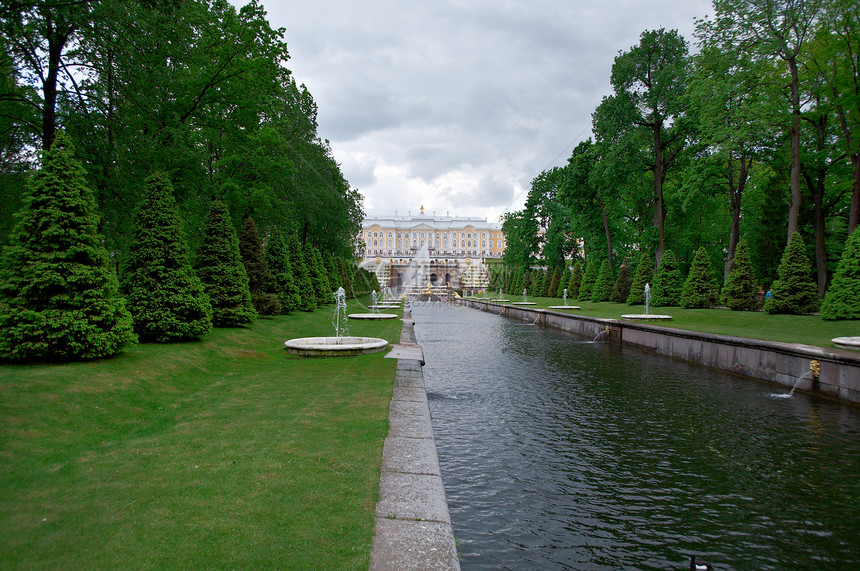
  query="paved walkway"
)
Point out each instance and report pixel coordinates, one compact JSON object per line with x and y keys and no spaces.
{"x":413,"y":528}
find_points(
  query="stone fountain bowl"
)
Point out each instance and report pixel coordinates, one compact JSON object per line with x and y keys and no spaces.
{"x":646,"y":317}
{"x":372,"y":316}
{"x":847,"y":342}
{"x":334,"y":346}
{"x":564,"y":307}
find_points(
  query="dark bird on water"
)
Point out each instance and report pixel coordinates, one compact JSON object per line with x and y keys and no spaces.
{"x":699,"y":566}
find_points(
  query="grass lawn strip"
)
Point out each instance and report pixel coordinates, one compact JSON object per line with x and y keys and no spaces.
{"x":227,"y":452}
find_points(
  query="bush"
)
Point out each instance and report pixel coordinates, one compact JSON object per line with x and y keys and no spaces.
{"x":59,"y":295}
{"x":842,"y":300}
{"x":643,"y":276}
{"x":302,"y":275}
{"x":574,"y":280}
{"x":587,"y":284}
{"x":602,"y":289}
{"x":621,"y":289}
{"x":666,"y":289}
{"x":219,"y":266}
{"x":700,"y":290}
{"x":552,"y":290}
{"x":740,"y":292}
{"x":282,"y":280}
{"x":795,"y":291}
{"x":165,"y":296}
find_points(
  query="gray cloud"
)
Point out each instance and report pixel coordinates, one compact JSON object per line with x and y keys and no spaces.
{"x":459,"y":104}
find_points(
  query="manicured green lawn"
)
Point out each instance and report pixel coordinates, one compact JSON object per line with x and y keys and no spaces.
{"x":223,"y":453}
{"x":805,"y":329}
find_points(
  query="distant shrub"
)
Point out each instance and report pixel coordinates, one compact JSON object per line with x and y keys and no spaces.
{"x":666,"y":289}
{"x":643,"y":275}
{"x":740,"y":292}
{"x":602,"y":289}
{"x":700,"y":290}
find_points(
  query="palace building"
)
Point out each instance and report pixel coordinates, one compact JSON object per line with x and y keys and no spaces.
{"x":452,"y":249}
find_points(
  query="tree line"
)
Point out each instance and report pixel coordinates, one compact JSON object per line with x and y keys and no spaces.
{"x":191,"y":88}
{"x":754,"y":138}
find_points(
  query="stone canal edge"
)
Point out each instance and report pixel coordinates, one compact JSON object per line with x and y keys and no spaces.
{"x":413,"y":526}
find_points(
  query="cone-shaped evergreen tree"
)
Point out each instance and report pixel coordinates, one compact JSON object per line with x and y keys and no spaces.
{"x":302,"y":275}
{"x":219,"y":266}
{"x":699,"y":291}
{"x":795,"y":291}
{"x":319,"y":276}
{"x":552,"y":290}
{"x":345,"y":276}
{"x":334,"y":280}
{"x":259,"y":276}
{"x":564,"y":282}
{"x":165,"y":296}
{"x":602,"y":289}
{"x":621,"y":288}
{"x":643,"y":276}
{"x":740,"y":292}
{"x":666,"y":289}
{"x":575,"y":280}
{"x":588,"y":279}
{"x":842,"y":300}
{"x":59,"y":295}
{"x":282,"y":282}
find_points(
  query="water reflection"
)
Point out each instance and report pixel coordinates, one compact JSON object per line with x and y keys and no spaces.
{"x":563,"y":454}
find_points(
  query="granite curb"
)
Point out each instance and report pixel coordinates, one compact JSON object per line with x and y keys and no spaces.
{"x":413,"y":526}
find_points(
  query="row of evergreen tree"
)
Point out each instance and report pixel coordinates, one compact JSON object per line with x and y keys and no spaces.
{"x":61,"y":299}
{"x":794,"y":292}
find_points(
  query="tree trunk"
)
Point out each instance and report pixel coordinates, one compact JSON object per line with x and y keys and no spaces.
{"x":794,"y":208}
{"x":817,"y":188}
{"x":658,"y":192}
{"x":854,"y":213}
{"x":606,"y":231}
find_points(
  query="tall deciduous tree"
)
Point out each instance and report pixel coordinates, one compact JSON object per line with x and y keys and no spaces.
{"x":59,"y":295}
{"x":165,"y":296}
{"x":651,"y":78}
{"x":219,"y":265}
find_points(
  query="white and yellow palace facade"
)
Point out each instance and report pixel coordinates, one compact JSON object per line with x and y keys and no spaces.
{"x":444,"y":236}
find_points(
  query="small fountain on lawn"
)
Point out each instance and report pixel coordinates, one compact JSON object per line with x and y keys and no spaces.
{"x":374,"y":309}
{"x":647,"y":316}
{"x":500,"y":298}
{"x":341,"y":344}
{"x":565,"y":306}
{"x":525,"y":300}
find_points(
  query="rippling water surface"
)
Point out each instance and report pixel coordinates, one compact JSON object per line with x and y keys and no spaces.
{"x":562,"y":454}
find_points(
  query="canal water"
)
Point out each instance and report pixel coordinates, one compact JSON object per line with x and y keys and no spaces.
{"x":559,"y":453}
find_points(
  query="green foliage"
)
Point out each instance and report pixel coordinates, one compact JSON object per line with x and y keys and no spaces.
{"x":643,"y":276}
{"x":259,"y":276}
{"x":700,"y":290}
{"x":283,"y":282}
{"x":740,"y":292}
{"x":795,"y":291}
{"x":588,"y":280}
{"x":602,"y":289}
{"x":575,"y":281}
{"x":345,"y":277}
{"x":319,"y":276}
{"x":302,"y":274}
{"x":621,"y":289}
{"x":59,"y":295}
{"x":165,"y":296}
{"x":842,"y":300}
{"x":666,"y":289}
{"x":219,"y":265}
{"x":563,"y":282}
{"x":554,"y":283}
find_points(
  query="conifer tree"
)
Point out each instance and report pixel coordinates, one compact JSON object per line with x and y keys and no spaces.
{"x":795,"y":291}
{"x":538,"y":283}
{"x":602,"y":289}
{"x":644,"y":275}
{"x":219,"y":266}
{"x":621,"y":288}
{"x":588,"y":279}
{"x":282,"y":282}
{"x":564,"y":282}
{"x":318,"y":275}
{"x":699,"y":291}
{"x":345,"y":276}
{"x":740,"y":292}
{"x":165,"y":296}
{"x":302,"y":275}
{"x":334,"y":280}
{"x":666,"y":289}
{"x":842,"y":300}
{"x":552,"y":290}
{"x":575,"y":280}
{"x":259,"y":276}
{"x":59,"y":295}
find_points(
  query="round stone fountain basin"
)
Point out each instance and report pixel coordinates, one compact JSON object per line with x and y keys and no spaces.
{"x":372,"y":315}
{"x":564,"y":307}
{"x":334,"y":346}
{"x":646,"y":317}
{"x":385,"y":306}
{"x":847,"y":342}
{"x":524,"y":303}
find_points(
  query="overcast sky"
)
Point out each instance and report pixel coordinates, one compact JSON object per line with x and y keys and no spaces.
{"x":459,"y":104}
